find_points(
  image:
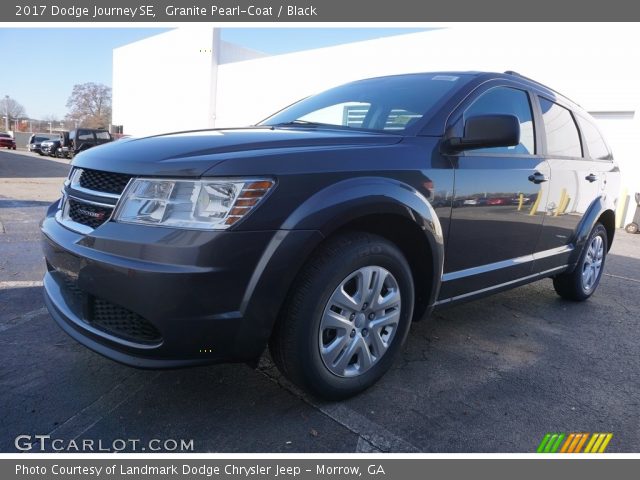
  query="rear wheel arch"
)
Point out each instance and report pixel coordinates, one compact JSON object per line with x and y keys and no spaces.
{"x":608,"y":220}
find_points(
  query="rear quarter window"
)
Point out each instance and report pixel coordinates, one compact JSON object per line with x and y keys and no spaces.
{"x":563,"y":139}
{"x":596,"y":146}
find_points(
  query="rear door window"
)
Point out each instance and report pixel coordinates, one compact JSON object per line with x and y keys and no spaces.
{"x":563,"y":139}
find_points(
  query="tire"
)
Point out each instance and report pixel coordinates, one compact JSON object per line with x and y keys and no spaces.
{"x":343,"y":265}
{"x":580,"y":284}
{"x":631,"y":228}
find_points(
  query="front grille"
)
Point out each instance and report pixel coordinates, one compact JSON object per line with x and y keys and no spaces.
{"x":72,"y":288}
{"x":87,"y":214}
{"x":123,"y":323}
{"x":106,"y":316}
{"x":106,"y":182}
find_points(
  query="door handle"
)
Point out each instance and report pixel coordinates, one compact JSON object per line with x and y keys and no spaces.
{"x":591,"y":177}
{"x":537,"y":177}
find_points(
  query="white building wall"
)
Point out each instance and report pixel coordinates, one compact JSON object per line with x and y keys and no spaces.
{"x":164,"y":82}
{"x":593,"y":64}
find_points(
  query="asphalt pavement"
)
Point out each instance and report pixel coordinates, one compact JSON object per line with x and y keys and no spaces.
{"x":494,"y":375}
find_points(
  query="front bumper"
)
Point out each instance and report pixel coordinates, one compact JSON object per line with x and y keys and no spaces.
{"x":155,"y":297}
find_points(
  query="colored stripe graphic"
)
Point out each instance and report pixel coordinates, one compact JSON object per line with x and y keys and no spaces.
{"x":604,"y":445}
{"x":582,"y":440}
{"x":573,"y":443}
{"x":593,"y":439}
{"x":543,"y":443}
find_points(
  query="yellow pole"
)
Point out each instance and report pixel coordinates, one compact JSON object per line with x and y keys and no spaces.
{"x":534,"y":207}
{"x":622,"y":206}
{"x":560,"y":202}
{"x":520,"y":201}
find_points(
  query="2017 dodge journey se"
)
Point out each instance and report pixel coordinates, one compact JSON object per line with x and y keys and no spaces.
{"x":326,"y":229}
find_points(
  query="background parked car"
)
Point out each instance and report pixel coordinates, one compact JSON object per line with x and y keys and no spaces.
{"x":35,"y":141}
{"x":50,"y":147}
{"x":81,"y":139}
{"x":7,"y":141}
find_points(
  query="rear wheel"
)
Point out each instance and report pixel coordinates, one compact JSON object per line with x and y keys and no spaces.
{"x":347,"y":316}
{"x":580,"y":284}
{"x":631,"y":228}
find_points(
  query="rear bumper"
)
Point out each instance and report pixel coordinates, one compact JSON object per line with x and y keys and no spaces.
{"x":208,"y":296}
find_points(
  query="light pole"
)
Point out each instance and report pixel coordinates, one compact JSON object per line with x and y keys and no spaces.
{"x":6,"y":111}
{"x":50,"y":127}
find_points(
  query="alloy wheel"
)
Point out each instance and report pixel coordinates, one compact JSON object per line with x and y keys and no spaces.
{"x":359,"y":321}
{"x":592,"y":263}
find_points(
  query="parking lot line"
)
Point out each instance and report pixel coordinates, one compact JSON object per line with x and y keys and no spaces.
{"x":86,"y":418}
{"x":20,"y":284}
{"x":375,"y":435}
{"x":622,"y":278}
{"x":24,"y":318}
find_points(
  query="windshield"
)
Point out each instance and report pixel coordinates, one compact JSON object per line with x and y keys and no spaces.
{"x":381,"y":104}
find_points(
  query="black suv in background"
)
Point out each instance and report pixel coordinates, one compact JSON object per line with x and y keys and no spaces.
{"x":35,"y":142}
{"x":80,"y":139}
{"x":328,"y":228}
{"x":50,"y":147}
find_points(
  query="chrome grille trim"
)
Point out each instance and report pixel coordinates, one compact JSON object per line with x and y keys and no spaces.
{"x":71,"y":186}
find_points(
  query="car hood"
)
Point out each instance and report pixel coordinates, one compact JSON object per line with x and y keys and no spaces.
{"x":193,"y":153}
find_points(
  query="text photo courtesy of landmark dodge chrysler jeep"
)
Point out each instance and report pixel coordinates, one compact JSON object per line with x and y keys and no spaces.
{"x":326,"y":229}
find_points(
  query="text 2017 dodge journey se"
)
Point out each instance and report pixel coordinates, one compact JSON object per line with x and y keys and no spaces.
{"x":325,"y":230}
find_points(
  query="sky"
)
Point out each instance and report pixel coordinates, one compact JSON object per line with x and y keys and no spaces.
{"x":41,"y":65}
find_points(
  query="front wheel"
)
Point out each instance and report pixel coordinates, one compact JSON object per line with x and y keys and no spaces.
{"x":580,"y":284}
{"x":347,"y":316}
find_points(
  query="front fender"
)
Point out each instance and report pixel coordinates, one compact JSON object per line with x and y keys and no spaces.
{"x":350,"y":199}
{"x":320,"y":215}
{"x":344,"y":202}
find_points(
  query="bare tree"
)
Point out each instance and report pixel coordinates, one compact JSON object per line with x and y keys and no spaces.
{"x":90,"y":105}
{"x":12,"y":109}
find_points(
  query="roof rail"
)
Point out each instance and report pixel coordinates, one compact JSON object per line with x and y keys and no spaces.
{"x":516,"y":74}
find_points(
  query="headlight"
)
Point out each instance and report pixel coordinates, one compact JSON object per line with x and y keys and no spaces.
{"x":198,"y":204}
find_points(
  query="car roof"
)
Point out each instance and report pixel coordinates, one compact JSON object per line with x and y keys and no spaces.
{"x":482,"y":76}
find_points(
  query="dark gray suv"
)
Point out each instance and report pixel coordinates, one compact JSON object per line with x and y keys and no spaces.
{"x":325,"y":230}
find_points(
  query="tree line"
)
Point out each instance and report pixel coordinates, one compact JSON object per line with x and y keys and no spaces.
{"x":89,"y":105}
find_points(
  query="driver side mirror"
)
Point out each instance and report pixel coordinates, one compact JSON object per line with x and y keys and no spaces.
{"x":485,"y":131}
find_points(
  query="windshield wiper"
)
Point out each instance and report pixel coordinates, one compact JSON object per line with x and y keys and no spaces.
{"x":301,"y":122}
{"x":306,"y":123}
